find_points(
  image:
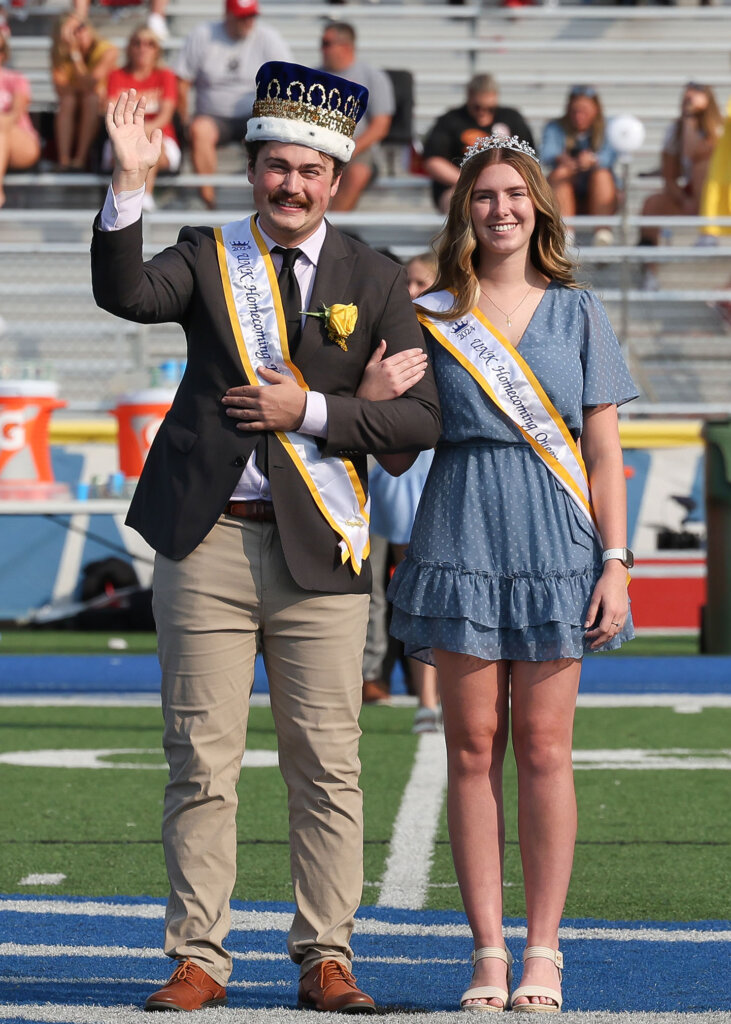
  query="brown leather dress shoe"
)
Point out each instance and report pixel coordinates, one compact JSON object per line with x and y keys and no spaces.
{"x":189,"y":988}
{"x":331,"y":986}
{"x":375,"y":691}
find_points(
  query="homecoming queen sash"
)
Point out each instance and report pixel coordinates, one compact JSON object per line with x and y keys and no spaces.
{"x":509,"y":382}
{"x":257,"y":318}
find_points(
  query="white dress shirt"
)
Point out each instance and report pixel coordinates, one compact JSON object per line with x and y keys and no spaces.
{"x":125,"y":208}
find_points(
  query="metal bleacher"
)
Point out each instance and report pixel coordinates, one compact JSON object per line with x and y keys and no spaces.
{"x":638,"y":57}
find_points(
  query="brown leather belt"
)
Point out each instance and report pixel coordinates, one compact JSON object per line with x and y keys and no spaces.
{"x":259,"y":511}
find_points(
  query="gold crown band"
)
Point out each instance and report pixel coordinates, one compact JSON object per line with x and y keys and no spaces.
{"x":296,"y":110}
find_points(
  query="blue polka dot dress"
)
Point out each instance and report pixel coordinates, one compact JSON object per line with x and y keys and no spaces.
{"x":501,"y":564}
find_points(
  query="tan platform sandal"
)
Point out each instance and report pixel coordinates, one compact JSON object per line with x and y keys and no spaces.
{"x":488,"y":991}
{"x":556,"y":956}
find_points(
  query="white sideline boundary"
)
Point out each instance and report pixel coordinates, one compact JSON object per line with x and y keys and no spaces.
{"x":47,"y":1013}
{"x":406,"y":877}
{"x":270,"y":920}
{"x":681,"y":702}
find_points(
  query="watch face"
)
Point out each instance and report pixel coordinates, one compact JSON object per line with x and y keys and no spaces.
{"x":629,"y":558}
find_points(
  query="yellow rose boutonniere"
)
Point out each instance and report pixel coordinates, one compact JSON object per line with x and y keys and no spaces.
{"x":340,"y":321}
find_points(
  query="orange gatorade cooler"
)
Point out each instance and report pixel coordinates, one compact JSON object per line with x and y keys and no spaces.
{"x":139,"y":416}
{"x":25,"y":457}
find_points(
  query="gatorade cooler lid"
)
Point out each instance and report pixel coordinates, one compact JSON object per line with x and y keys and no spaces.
{"x":28,"y":389}
{"x":148,"y":396}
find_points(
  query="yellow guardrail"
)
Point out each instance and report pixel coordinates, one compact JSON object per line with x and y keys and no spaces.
{"x":633,"y":433}
{"x":660,"y":433}
{"x":99,"y":431}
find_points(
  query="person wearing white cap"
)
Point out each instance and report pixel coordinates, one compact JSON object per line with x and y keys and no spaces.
{"x":219,"y":60}
{"x":254,"y":497}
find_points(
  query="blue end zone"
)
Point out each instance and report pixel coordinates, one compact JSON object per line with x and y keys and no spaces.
{"x":103,"y":674}
{"x":625,"y":972}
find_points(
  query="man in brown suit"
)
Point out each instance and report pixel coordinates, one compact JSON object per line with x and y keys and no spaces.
{"x":253,"y":496}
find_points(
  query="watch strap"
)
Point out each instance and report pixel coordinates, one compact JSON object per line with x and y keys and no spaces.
{"x":620,"y":553}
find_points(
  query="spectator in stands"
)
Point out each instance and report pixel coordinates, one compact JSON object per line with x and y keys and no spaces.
{"x":219,"y":59}
{"x":81,"y":63}
{"x":143,"y":72}
{"x":455,"y":131}
{"x":421,"y":272}
{"x":579,"y":161}
{"x":20,"y":145}
{"x":339,"y":56}
{"x":155,"y":19}
{"x":686,"y":154}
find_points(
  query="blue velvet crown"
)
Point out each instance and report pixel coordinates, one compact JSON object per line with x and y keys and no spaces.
{"x":313,"y":108}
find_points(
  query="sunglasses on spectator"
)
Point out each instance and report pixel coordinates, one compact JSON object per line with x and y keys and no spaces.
{"x":583,"y":90}
{"x":483,"y":108}
{"x":697,"y":86}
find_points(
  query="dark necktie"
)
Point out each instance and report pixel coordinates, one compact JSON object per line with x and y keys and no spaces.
{"x":289,"y":290}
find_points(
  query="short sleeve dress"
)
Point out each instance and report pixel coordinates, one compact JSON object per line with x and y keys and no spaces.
{"x":501,"y":564}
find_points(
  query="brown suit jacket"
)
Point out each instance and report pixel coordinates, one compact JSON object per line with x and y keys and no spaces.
{"x":198,"y":454}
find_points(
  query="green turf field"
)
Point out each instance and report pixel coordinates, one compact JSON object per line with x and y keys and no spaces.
{"x":42,"y":641}
{"x":653,"y":844}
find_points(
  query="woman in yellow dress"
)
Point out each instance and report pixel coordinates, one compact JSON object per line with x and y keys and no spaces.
{"x":80,"y":65}
{"x":716,"y":195}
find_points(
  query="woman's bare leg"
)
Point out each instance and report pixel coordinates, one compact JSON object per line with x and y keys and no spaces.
{"x":543,"y":700}
{"x":88,"y":128}
{"x":475,"y":708}
{"x":19,"y":149}
{"x":65,"y":126}
{"x":601,"y":196}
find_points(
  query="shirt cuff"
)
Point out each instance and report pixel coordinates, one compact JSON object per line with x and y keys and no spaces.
{"x":121,"y":210}
{"x":315,"y":419}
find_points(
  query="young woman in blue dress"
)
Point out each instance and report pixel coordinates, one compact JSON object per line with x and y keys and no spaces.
{"x":517,"y":563}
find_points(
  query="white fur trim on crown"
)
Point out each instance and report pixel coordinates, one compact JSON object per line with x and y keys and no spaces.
{"x":280,"y":129}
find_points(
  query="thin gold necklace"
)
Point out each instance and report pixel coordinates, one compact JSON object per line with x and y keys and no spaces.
{"x":508,"y":315}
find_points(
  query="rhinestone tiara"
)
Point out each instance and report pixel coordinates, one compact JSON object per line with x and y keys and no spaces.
{"x":500,"y":142}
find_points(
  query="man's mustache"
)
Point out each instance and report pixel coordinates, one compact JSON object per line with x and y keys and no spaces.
{"x":278,"y":196}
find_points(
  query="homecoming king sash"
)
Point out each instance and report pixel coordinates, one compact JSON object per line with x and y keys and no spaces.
{"x":509,"y":382}
{"x":257,"y":318}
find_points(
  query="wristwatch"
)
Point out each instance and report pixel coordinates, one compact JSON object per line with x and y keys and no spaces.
{"x":624,"y":555}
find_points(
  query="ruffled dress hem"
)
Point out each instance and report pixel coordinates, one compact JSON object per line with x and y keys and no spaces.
{"x":494,"y":616}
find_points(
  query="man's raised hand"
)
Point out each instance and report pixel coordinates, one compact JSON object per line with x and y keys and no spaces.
{"x":134,"y":153}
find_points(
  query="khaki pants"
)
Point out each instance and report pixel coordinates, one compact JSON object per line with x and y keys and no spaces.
{"x":209,"y":609}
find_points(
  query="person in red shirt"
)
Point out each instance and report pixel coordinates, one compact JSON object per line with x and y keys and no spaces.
{"x":143,"y":72}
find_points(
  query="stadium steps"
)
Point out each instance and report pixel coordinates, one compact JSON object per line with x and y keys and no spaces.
{"x":638,"y":57}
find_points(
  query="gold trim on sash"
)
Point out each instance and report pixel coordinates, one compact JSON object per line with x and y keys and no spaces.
{"x":571,"y":484}
{"x":295,"y":444}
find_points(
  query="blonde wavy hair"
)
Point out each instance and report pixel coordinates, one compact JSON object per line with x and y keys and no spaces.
{"x":60,"y":48}
{"x":456,"y":244}
{"x":709,"y":120}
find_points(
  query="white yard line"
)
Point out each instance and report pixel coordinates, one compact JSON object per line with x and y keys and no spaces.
{"x":53,"y":878}
{"x":48,"y":952}
{"x":41,"y":979}
{"x":107,"y":952}
{"x":681,"y":702}
{"x":268,"y":920}
{"x":47,"y":1013}
{"x":406,"y":877}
